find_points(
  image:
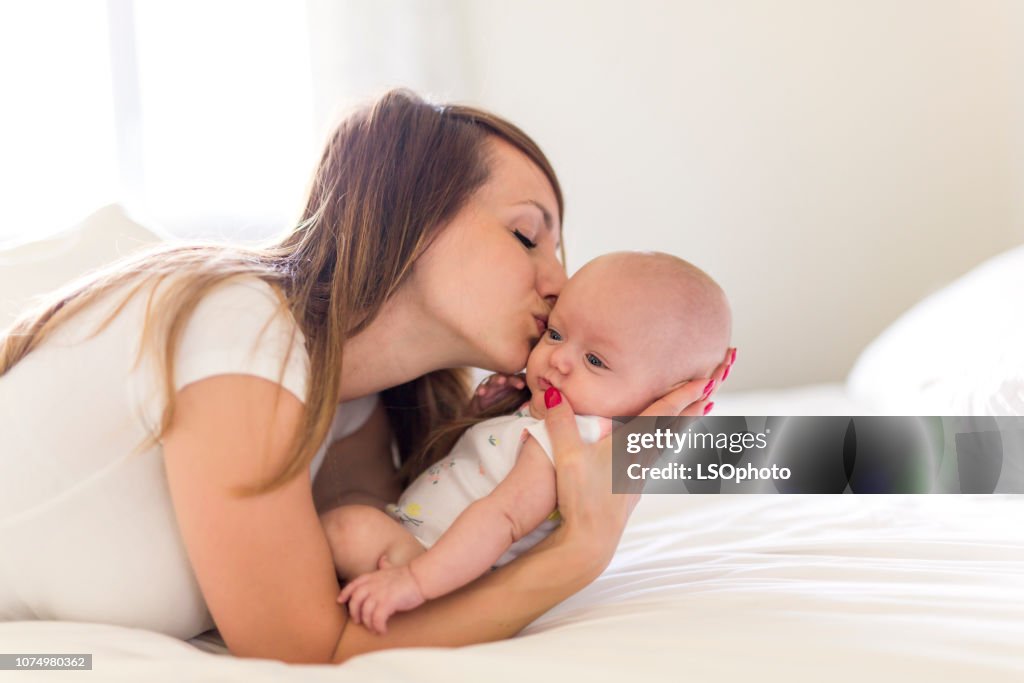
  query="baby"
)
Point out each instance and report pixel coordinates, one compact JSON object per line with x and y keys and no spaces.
{"x":627,"y":327}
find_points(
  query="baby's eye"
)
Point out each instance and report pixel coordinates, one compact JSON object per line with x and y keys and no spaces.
{"x":527,"y":242}
{"x":553,"y":334}
{"x":594,"y":360}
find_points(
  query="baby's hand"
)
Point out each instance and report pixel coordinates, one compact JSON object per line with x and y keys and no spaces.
{"x":493,"y":388}
{"x":374,"y":597}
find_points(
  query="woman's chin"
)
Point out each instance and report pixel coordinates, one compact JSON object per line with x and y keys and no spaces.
{"x":510,"y":362}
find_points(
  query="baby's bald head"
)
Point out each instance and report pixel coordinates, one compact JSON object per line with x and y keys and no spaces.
{"x":626,"y":328}
{"x":680,"y":312}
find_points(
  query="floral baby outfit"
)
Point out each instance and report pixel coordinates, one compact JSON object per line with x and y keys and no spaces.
{"x":481,"y":458}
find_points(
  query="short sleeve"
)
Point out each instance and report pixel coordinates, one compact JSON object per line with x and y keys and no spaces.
{"x":241,"y":327}
{"x":589,"y":426}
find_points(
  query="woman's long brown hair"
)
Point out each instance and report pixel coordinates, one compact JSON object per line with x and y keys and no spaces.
{"x":392,"y":176}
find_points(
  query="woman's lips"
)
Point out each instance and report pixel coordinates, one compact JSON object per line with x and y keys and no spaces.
{"x":542,"y":325}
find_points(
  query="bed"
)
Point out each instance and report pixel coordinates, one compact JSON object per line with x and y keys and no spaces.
{"x":743,"y":587}
{"x":705,"y":588}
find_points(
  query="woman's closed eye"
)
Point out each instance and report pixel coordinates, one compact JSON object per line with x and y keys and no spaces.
{"x":527,"y":242}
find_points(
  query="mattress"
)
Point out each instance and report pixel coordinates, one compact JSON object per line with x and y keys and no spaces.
{"x":704,"y":588}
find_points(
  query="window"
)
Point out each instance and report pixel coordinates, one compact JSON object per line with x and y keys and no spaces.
{"x":197,"y":113}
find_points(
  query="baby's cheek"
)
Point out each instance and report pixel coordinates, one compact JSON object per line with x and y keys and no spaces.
{"x":616,"y":398}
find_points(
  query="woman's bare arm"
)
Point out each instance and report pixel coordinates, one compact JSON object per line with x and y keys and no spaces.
{"x":264,"y":565}
{"x":262,"y":562}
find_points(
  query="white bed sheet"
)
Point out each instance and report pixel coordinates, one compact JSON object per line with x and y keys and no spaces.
{"x":812,"y":399}
{"x":706,"y":588}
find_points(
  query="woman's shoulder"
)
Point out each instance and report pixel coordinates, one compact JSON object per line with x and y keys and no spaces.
{"x":250,"y":292}
{"x":241,"y":302}
{"x":243,"y":325}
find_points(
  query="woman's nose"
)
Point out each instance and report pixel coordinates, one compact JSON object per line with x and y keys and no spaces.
{"x":551,"y":278}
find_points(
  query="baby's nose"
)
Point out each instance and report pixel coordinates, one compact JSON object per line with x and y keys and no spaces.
{"x":561,"y":360}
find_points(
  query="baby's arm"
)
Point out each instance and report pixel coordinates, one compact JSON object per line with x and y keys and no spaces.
{"x":474,"y":542}
{"x":486,"y":529}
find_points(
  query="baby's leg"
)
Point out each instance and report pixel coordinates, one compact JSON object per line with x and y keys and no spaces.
{"x":359,"y":535}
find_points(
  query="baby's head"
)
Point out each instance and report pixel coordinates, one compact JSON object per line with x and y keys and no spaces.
{"x":626,"y":328}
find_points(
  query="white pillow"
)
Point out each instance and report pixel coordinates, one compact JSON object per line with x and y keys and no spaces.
{"x":35,"y":268}
{"x":960,"y":351}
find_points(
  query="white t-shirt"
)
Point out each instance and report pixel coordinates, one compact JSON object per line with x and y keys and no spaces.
{"x":87,"y":529}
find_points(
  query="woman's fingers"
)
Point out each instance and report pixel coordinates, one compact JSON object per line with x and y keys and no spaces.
{"x":722,"y":371}
{"x":698,"y":409}
{"x":682,"y":399}
{"x":561,"y":424}
{"x":592,"y":516}
{"x":693,"y":398}
{"x":730,"y":360}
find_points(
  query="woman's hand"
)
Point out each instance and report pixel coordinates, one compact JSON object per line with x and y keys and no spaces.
{"x":494,"y":388}
{"x":668,"y":404}
{"x":593,"y":518}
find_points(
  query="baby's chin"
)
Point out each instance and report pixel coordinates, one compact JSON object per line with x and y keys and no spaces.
{"x":598,"y":409}
{"x":607,"y":409}
{"x":538,"y":409}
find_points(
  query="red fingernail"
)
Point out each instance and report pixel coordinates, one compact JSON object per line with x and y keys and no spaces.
{"x":708,"y":388}
{"x":552,"y":398}
{"x":733,"y":359}
{"x":708,"y":407}
{"x":725,"y":375}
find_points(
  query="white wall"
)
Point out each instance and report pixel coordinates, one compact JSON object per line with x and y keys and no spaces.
{"x":828,"y":162}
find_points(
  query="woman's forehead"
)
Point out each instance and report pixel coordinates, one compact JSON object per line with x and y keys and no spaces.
{"x":516,"y":179}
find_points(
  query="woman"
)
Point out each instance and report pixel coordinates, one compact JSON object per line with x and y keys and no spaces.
{"x":162,"y":417}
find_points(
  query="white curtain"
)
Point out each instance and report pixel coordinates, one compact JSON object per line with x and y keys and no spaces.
{"x":58,"y":143}
{"x":361,"y":47}
{"x":204,"y":117}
